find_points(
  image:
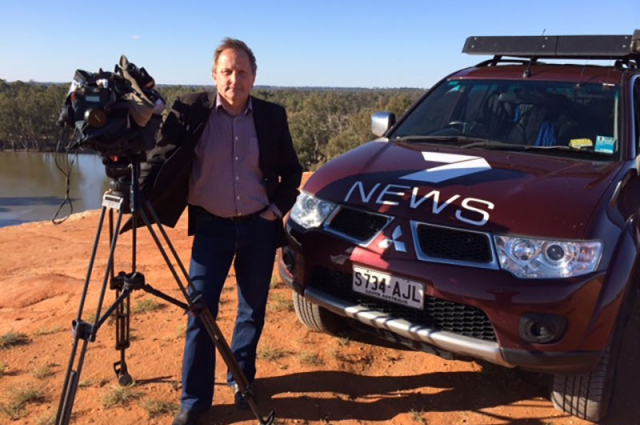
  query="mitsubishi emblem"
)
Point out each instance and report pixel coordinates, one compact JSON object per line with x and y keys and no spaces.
{"x":395,"y":241}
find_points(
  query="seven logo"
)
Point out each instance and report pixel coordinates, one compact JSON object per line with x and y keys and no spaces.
{"x":457,"y":166}
{"x":397,"y":244}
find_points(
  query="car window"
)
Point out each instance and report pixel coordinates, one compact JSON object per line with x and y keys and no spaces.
{"x":531,"y":113}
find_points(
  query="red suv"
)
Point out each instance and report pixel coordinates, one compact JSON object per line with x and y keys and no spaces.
{"x":497,"y":219}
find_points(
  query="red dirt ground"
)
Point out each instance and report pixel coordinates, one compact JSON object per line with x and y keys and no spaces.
{"x":306,"y":377}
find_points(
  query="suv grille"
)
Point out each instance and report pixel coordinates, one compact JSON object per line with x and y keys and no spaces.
{"x":437,"y":314}
{"x":451,"y":244}
{"x":358,"y":225}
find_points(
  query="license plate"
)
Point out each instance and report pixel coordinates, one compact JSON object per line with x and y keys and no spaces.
{"x":388,"y":287}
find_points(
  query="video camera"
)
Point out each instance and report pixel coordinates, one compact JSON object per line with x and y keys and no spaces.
{"x":116,"y":113}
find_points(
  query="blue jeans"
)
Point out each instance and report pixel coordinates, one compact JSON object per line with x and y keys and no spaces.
{"x":215,"y":245}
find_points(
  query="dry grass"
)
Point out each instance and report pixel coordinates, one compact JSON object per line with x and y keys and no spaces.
{"x":119,"y":396}
{"x":155,"y":408}
{"x":271,"y":353}
{"x":42,"y":372}
{"x":98,"y":383}
{"x":417,"y":416}
{"x":279,"y":302}
{"x":311,"y":359}
{"x":17,"y":400}
{"x":146,"y":305}
{"x":48,"y":331}
{"x":337,"y":354}
{"x":11,"y":339}
{"x":344,"y":341}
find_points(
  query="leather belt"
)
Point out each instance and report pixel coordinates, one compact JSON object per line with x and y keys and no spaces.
{"x":239,"y":218}
{"x":235,"y":219}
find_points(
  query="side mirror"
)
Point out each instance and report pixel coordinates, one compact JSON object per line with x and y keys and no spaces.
{"x":381,"y":122}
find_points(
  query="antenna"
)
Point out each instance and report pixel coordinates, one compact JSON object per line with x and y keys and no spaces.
{"x":527,"y":72}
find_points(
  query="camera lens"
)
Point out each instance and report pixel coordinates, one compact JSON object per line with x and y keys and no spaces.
{"x":96,"y":118}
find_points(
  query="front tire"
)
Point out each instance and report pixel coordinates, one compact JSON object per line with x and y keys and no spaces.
{"x":317,"y":318}
{"x":588,"y":395}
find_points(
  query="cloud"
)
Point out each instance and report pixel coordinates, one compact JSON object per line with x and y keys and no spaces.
{"x":136,"y":37}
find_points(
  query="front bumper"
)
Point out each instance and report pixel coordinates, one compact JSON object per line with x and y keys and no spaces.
{"x":448,"y":342}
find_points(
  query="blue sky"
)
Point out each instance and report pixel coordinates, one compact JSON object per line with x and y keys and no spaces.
{"x":328,"y":43}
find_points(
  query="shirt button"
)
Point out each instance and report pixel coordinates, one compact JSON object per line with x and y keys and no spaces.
{"x":237,"y":178}
{"x":236,"y":158}
{"x":238,"y":198}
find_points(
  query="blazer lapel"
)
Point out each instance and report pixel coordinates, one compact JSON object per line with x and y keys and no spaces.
{"x":201,"y":112}
{"x":263,"y":126}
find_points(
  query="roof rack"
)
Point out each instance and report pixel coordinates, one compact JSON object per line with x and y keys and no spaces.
{"x":561,"y":46}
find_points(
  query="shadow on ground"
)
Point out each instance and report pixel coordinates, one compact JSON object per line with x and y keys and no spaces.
{"x":292,"y":396}
{"x":370,"y":399}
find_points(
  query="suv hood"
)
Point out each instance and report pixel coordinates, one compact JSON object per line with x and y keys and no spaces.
{"x":491,"y":191}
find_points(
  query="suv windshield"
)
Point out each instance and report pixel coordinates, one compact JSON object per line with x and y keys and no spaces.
{"x":524,"y":114}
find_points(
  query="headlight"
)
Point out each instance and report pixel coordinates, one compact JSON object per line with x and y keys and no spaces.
{"x":310,"y":211}
{"x":542,"y":259}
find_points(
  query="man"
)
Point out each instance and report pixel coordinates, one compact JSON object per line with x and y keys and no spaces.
{"x":230,"y":157}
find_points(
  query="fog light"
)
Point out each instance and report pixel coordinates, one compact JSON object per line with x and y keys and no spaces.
{"x":542,"y":328}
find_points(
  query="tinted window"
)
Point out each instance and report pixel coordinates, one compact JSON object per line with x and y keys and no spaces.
{"x":520,"y":112}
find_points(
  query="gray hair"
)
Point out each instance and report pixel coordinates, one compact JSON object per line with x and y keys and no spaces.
{"x":233,"y":43}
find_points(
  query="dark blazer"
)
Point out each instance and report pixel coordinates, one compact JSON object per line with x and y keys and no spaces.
{"x":165,"y":175}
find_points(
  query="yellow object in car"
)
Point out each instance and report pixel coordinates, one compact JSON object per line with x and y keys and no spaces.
{"x":580,"y":143}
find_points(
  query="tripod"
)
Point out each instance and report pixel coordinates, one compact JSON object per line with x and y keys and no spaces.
{"x":125,"y":175}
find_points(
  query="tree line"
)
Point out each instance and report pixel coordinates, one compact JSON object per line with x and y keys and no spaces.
{"x":324,"y":123}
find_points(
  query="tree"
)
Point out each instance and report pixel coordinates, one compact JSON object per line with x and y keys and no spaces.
{"x":357,"y":133}
{"x":324,"y":123}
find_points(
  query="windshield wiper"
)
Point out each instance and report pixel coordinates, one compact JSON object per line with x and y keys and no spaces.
{"x":568,"y":149}
{"x":440,"y":139}
{"x":464,"y":142}
{"x":556,"y":148}
{"x":492,"y":144}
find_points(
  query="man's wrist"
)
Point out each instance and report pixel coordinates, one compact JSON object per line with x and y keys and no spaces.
{"x":268,"y":214}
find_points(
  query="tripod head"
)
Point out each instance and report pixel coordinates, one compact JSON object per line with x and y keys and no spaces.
{"x":124,"y":173}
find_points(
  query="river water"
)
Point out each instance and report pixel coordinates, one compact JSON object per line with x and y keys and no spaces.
{"x":32,"y":188}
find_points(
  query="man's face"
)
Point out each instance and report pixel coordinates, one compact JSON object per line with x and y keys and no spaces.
{"x":233,"y":77}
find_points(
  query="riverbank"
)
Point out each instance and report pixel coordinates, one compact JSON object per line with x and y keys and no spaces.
{"x":33,"y":185}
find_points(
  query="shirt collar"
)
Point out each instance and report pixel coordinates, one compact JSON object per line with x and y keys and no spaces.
{"x":220,"y":106}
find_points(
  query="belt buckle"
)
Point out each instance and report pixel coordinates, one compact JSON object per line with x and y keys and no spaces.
{"x":241,"y":218}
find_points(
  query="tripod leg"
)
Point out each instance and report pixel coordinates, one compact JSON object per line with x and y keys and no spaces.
{"x":123,"y":314}
{"x":82,"y":331}
{"x":86,"y":331}
{"x":204,"y":315}
{"x":163,"y":252}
